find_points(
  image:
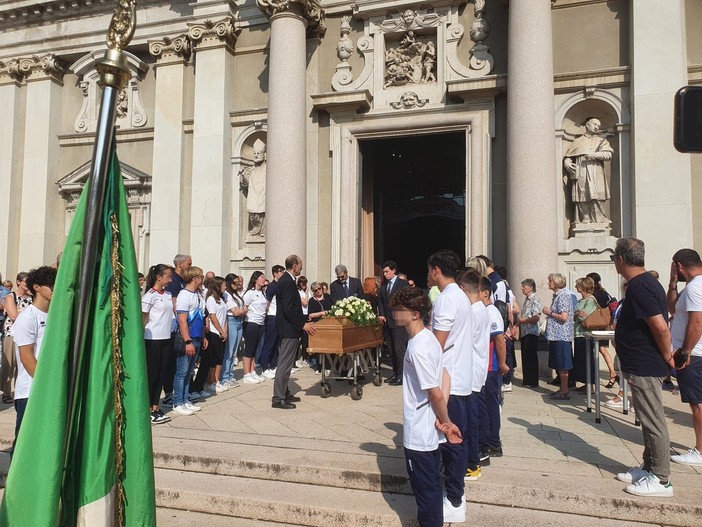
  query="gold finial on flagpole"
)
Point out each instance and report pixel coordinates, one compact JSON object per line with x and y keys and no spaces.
{"x":113,"y":68}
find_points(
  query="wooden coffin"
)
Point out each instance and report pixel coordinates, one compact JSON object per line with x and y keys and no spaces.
{"x":340,"y":335}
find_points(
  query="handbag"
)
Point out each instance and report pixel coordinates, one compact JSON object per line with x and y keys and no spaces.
{"x":599,"y":319}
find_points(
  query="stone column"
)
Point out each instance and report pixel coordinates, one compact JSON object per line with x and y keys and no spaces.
{"x":169,"y":142}
{"x":11,"y":136}
{"x":41,"y":209}
{"x":286,"y":184}
{"x":661,"y":175}
{"x":532,"y":219}
{"x":210,"y":207}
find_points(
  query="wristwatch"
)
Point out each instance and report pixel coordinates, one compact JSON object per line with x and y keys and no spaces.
{"x":189,"y":341}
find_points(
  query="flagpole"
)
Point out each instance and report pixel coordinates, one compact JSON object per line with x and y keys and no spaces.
{"x":114,"y":75}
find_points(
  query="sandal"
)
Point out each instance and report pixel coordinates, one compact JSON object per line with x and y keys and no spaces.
{"x":612,"y":381}
{"x":556,"y":396}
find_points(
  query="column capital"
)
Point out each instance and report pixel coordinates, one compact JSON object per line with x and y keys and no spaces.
{"x":171,"y":50}
{"x":32,"y":68}
{"x":209,"y":34}
{"x":311,"y":11}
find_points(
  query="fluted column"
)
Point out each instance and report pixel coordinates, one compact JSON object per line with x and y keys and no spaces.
{"x":12,"y":95}
{"x":532,"y":219}
{"x":210,"y":202}
{"x":167,"y":222}
{"x":40,"y":211}
{"x":286,"y":178}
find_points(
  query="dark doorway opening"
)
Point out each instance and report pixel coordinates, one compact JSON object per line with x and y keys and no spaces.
{"x":414,"y":192}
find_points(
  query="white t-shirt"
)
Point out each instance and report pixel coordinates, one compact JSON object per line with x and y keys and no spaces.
{"x":690,"y":299}
{"x":257,"y":302}
{"x":159,"y":306}
{"x":481,"y":345}
{"x":422,"y":371}
{"x":232,"y":303}
{"x":219,"y":310}
{"x":305,"y":308}
{"x":452,"y":313}
{"x":27,"y":329}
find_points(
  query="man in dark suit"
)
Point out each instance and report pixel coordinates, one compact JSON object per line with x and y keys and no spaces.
{"x":345,"y":285}
{"x":395,"y":336}
{"x":290,"y":323}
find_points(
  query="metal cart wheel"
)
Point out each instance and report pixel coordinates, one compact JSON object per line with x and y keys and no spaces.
{"x":357,"y":392}
{"x":377,"y":380}
{"x":326,"y":390}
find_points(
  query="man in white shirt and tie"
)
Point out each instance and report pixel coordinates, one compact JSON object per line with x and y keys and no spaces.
{"x":395,"y":337}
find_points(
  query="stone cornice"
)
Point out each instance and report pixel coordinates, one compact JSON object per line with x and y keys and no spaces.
{"x":209,"y":34}
{"x":171,"y":50}
{"x":32,"y":68}
{"x":312,"y":12}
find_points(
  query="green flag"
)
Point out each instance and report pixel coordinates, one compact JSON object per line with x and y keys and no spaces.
{"x":109,"y":477}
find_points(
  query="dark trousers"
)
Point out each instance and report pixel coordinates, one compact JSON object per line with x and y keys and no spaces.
{"x":530,"y":360}
{"x":169,"y":375}
{"x":287,"y":350}
{"x":252,"y":334}
{"x":158,"y":353}
{"x":396,"y":340}
{"x":471,"y":437}
{"x":425,"y":479}
{"x":490,"y":412}
{"x":20,"y":407}
{"x":511,"y":361}
{"x":207,"y":361}
{"x":454,"y":455}
{"x":270,"y":345}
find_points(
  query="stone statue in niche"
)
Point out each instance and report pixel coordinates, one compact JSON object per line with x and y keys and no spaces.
{"x":584,"y":165}
{"x":253,"y":185}
{"x":412,"y":61}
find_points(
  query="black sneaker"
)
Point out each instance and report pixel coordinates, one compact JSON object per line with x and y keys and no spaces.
{"x":157,"y":418}
{"x":495,"y":452}
{"x":484,"y":459}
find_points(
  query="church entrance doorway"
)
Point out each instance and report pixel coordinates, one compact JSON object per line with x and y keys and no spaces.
{"x":414,"y":201}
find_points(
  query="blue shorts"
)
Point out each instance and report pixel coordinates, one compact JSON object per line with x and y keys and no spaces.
{"x":690,"y":382}
{"x":560,"y":355}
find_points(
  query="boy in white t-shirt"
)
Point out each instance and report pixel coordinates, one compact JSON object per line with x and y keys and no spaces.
{"x":425,"y":415}
{"x":452,"y":325}
{"x":469,"y":281}
{"x":28,"y":332}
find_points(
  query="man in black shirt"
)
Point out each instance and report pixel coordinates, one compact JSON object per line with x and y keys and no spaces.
{"x":643,"y":345}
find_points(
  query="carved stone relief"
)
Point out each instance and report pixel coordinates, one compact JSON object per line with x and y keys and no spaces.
{"x":414,"y":47}
{"x":130,"y":109}
{"x":409,"y":100}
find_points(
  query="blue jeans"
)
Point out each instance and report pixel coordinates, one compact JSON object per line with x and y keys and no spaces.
{"x":20,"y":407}
{"x":185,"y":364}
{"x":235,"y":331}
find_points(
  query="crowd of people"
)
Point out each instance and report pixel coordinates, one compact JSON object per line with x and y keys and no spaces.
{"x":451,"y":349}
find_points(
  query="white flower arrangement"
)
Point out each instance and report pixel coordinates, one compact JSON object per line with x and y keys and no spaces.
{"x":358,"y":310}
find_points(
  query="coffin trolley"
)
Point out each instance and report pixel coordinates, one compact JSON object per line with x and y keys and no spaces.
{"x":344,"y":346}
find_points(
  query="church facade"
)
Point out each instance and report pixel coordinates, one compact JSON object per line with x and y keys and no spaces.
{"x":354,"y":132}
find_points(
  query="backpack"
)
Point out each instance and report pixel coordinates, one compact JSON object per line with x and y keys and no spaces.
{"x":502,"y":307}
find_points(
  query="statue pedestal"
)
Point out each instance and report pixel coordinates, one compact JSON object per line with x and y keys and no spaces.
{"x":592,"y":229}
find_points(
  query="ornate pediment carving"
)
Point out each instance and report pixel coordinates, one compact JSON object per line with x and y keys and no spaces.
{"x":136,"y":183}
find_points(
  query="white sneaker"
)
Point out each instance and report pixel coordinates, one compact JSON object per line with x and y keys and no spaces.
{"x":258,"y":377}
{"x":691,"y":457}
{"x":454,"y":514}
{"x":221,"y":388}
{"x":231,"y":384}
{"x":294,"y":370}
{"x":507,"y":387}
{"x":269,"y":374}
{"x":182,"y":410}
{"x":192,"y":407}
{"x":249,"y":379}
{"x":211,"y":388}
{"x":633,"y":475}
{"x":299,"y":363}
{"x":236,"y":360}
{"x":617,"y":405}
{"x":650,"y":486}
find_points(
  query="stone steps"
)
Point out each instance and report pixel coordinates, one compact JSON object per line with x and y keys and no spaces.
{"x":377,"y":476}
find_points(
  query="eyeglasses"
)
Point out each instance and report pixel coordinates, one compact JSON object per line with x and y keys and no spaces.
{"x":613,"y":257}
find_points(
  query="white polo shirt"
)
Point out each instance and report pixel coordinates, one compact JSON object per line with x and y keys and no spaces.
{"x":452,"y":313}
{"x":219,"y":310}
{"x":159,"y":306}
{"x":27,"y":329}
{"x":690,"y":299}
{"x":257,"y":303}
{"x":481,"y":345}
{"x":421,"y":371}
